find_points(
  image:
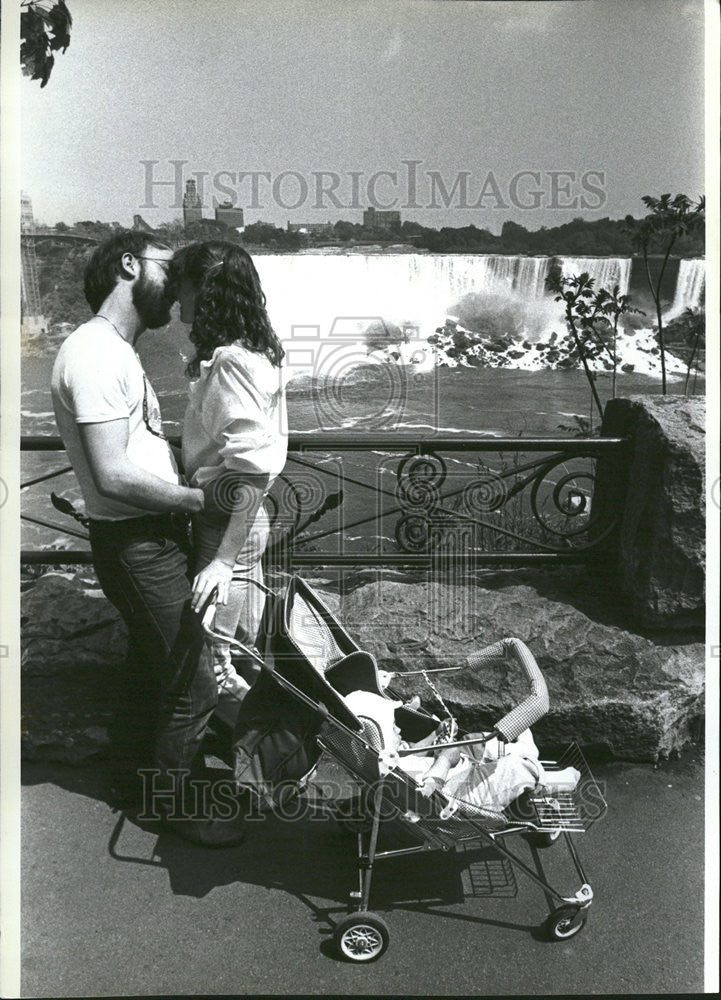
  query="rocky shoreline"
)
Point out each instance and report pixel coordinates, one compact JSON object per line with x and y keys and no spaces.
{"x":637,"y":352}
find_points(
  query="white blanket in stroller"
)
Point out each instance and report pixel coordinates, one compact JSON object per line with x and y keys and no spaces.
{"x":487,"y":776}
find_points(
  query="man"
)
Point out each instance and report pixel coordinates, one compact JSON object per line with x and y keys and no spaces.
{"x":109,"y":419}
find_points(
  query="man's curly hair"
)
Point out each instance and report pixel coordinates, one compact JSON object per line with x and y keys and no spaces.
{"x":103,"y":269}
{"x":229,"y":301}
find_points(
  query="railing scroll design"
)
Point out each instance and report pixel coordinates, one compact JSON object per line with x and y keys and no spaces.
{"x":394,"y":499}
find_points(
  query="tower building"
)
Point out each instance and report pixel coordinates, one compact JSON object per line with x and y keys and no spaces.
{"x":32,"y":319}
{"x":192,"y":208}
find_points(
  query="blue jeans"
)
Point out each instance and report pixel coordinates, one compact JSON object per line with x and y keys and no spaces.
{"x":142,"y":566}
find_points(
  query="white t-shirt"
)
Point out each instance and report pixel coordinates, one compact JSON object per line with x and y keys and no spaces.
{"x":98,"y":377}
{"x":236,"y":418}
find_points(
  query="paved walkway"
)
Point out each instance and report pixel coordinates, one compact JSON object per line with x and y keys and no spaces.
{"x":113,"y":909}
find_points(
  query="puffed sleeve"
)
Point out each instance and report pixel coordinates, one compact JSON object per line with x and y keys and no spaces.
{"x":236,"y":415}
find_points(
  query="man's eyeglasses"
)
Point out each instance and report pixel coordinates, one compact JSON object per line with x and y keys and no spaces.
{"x":164,"y":263}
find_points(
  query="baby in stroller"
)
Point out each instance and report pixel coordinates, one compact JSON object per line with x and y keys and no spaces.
{"x":480,"y":776}
{"x":275,"y":737}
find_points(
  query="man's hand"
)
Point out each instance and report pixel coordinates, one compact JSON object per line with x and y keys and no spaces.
{"x":216,"y":574}
{"x":195,"y":500}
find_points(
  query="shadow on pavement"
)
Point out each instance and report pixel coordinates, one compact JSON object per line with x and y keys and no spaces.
{"x":310,"y":858}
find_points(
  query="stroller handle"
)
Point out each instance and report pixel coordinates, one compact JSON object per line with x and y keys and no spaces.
{"x":207,"y":614}
{"x":535,"y":706}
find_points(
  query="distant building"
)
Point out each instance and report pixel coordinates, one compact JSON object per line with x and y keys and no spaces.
{"x":27,"y":222}
{"x":229,"y":215}
{"x":311,"y":228}
{"x":374,"y":219}
{"x":192,"y":209}
{"x":32,"y":320}
{"x":140,"y":224}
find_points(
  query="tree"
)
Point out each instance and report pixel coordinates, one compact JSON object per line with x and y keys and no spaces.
{"x":582,"y":308}
{"x":173,"y":231}
{"x":688,"y":331}
{"x":206,"y":229}
{"x":670,"y":219}
{"x":61,"y":285}
{"x":44,"y":29}
{"x":592,"y":319}
{"x":612,"y":305}
{"x":343,"y":230}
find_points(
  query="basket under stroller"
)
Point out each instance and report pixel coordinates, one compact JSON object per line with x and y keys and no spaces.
{"x":295,"y":723}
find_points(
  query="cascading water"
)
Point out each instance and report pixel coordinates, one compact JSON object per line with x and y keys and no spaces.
{"x":690,"y":286}
{"x":605,"y":271}
{"x":307,"y":291}
{"x":321,"y":304}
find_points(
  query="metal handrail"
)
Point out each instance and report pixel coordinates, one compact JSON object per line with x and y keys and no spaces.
{"x":317,"y":441}
{"x":322,"y":441}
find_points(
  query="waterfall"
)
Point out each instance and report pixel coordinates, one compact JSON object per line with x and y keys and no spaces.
{"x":318,"y":290}
{"x":330,"y":299}
{"x":321,"y":304}
{"x":690,"y":285}
{"x":605,"y":271}
{"x":531,"y":279}
{"x":524,"y":275}
{"x":339,"y":293}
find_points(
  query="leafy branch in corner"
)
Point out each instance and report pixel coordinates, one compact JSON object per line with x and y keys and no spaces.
{"x":44,"y":30}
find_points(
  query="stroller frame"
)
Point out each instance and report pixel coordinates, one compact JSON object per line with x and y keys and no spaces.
{"x":363,"y":936}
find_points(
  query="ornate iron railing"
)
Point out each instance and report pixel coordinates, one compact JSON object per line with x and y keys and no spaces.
{"x":398,"y":500}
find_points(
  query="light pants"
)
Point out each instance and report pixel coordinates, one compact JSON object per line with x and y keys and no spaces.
{"x":241,"y":615}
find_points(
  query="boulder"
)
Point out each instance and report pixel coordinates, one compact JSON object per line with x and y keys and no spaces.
{"x":73,"y":647}
{"x":613,"y":692}
{"x":662,"y":535}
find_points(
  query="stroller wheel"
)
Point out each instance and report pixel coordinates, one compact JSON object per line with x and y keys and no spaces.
{"x":565,"y":922}
{"x":543,"y":839}
{"x":361,"y":937}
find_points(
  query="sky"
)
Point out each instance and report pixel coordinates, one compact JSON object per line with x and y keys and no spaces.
{"x":543,"y":111}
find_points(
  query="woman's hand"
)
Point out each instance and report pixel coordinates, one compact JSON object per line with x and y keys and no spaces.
{"x":216,"y":574}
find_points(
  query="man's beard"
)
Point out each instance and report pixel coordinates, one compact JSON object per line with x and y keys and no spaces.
{"x":151,"y":302}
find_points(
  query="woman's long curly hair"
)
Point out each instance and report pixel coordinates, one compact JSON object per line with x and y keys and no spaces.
{"x":229,"y":301}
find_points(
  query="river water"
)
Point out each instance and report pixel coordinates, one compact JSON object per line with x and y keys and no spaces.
{"x":321,"y":305}
{"x":380,"y":398}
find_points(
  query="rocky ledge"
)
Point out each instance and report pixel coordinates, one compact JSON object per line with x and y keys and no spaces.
{"x":661,"y":558}
{"x":613,"y":691}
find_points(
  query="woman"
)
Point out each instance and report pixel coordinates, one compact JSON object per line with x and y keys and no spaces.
{"x":234,"y":440}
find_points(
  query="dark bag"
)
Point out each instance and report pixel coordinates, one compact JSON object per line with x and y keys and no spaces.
{"x":275,"y":733}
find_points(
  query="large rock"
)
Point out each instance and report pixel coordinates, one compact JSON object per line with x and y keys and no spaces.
{"x":610,"y":690}
{"x":661,"y":540}
{"x":74,"y":645}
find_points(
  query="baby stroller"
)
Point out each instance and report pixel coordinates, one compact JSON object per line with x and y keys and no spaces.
{"x":296,"y":736}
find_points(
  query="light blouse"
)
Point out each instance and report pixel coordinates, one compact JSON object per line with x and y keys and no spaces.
{"x":236,"y":417}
